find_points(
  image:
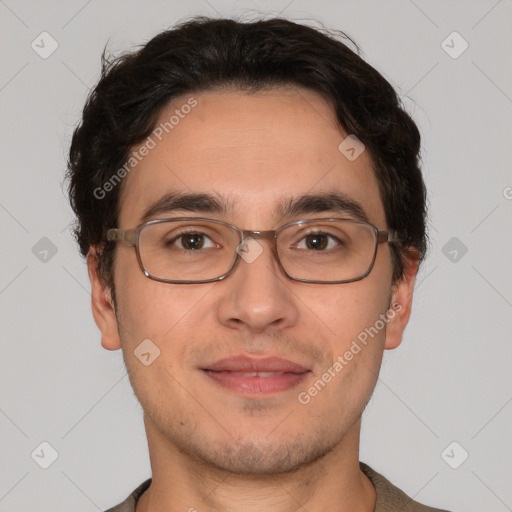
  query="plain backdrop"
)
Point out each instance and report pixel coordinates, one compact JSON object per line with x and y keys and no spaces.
{"x":439,"y":422}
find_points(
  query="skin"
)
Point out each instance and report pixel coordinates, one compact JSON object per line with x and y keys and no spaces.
{"x":210,"y":448}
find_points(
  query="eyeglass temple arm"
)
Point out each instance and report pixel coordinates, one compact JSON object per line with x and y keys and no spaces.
{"x":388,"y":236}
{"x":129,"y":235}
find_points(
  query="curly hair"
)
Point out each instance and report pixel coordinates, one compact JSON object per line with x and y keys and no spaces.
{"x":206,"y":53}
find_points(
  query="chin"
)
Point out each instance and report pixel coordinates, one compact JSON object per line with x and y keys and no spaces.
{"x":262,"y":457}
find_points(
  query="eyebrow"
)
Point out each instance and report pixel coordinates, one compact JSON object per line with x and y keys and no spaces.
{"x":195,"y":203}
{"x":334,"y":202}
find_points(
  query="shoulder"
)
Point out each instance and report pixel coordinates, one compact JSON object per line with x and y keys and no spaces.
{"x":129,"y":504}
{"x":389,"y":497}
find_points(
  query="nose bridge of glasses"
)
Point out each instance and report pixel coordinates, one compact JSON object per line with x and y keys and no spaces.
{"x":268,"y":235}
{"x":248,"y":235}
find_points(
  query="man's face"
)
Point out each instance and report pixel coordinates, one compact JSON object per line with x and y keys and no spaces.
{"x":255,"y":152}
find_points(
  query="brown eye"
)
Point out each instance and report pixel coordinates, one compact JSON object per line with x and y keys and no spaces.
{"x":316,"y":242}
{"x":192,"y":241}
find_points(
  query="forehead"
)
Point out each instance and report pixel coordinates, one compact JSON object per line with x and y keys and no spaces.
{"x":256,"y":150}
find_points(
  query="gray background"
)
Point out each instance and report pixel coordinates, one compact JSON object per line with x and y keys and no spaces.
{"x":449,"y":381}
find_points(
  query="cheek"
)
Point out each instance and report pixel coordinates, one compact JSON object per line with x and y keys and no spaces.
{"x":150,"y":309}
{"x":355,"y":335}
{"x":161,"y":311}
{"x":344,"y":311}
{"x":342,"y":388}
{"x":172,"y":317}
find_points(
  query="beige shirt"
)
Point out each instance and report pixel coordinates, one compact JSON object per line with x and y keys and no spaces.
{"x":389,"y":497}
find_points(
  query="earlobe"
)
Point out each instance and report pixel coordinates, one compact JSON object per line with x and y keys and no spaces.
{"x":103,"y":309}
{"x":401,"y":303}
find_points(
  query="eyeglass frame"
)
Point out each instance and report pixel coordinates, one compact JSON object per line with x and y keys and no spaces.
{"x":131,"y":236}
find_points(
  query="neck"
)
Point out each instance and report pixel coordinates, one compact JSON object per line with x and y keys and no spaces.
{"x":183,"y":483}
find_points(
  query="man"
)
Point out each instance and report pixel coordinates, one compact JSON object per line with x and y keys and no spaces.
{"x":250,"y":203}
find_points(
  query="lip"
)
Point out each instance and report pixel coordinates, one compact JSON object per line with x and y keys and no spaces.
{"x":256,"y":376}
{"x":243,"y":363}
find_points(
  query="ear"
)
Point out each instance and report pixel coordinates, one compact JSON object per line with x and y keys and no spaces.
{"x":401,"y":302}
{"x":102,"y":305}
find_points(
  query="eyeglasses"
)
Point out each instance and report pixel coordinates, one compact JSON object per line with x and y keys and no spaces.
{"x":191,"y":250}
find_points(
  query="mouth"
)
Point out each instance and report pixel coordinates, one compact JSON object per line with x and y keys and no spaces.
{"x":250,"y":376}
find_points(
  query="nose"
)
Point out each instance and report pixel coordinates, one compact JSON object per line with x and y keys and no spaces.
{"x":257,"y":296}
